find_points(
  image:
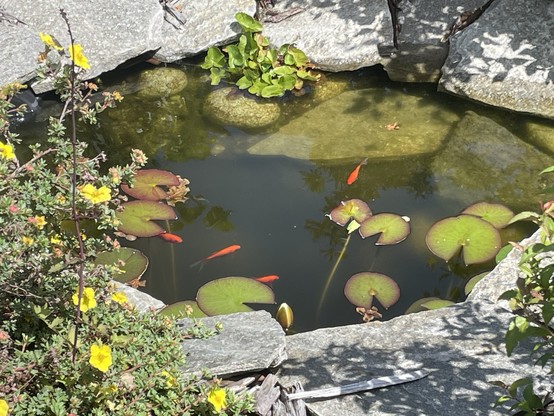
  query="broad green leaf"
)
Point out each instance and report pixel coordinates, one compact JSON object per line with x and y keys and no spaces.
{"x":437,"y":304}
{"x":477,"y":238}
{"x":283,"y":70}
{"x":178,"y":310}
{"x":130,"y":261}
{"x":248,"y":23}
{"x":498,"y":215}
{"x":473,"y":281}
{"x":361,"y":288}
{"x":288,"y":82}
{"x":272,"y":91}
{"x":503,"y":253}
{"x":525,"y":216}
{"x":355,"y":209}
{"x":299,"y":58}
{"x":214,"y":59}
{"x":417,"y":305}
{"x":236,"y":58}
{"x":145,"y":184}
{"x":231,"y":294}
{"x":137,"y":217}
{"x":547,"y":170}
{"x":393,"y":228}
{"x":307,"y":75}
{"x":548,"y":312}
{"x":216,"y":75}
{"x":243,"y":83}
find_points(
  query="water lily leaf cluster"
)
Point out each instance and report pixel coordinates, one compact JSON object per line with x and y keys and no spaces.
{"x":253,"y":65}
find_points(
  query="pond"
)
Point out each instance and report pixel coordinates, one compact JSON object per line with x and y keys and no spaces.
{"x":269,"y":190}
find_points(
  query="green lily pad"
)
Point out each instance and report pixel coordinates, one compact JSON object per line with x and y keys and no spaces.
{"x":352,"y":209}
{"x":437,"y":304}
{"x":473,"y":281}
{"x":178,"y":310}
{"x":417,"y":305}
{"x":132,"y":262}
{"x":477,"y":238}
{"x":230,"y":294}
{"x":393,"y":228}
{"x":497,"y":214}
{"x":145,"y":184}
{"x":503,"y":253}
{"x":136,"y":218}
{"x":362,"y":287}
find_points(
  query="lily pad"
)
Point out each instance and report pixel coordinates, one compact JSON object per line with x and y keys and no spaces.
{"x":352,"y":209}
{"x":437,"y":304}
{"x":231,"y":294}
{"x":473,"y":281}
{"x":136,"y":218}
{"x":178,"y":310}
{"x":393,"y":228}
{"x":145,"y":184}
{"x":132,"y":262}
{"x":497,"y":214}
{"x":477,"y":238}
{"x":361,"y":288}
{"x":417,"y":305}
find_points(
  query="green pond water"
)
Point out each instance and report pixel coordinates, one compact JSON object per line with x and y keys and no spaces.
{"x":269,"y":189}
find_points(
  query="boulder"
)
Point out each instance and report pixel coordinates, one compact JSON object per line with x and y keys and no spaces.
{"x":368,"y":127}
{"x":335,"y":35}
{"x":482,"y":160}
{"x":229,"y":106}
{"x":109,"y":34}
{"x":505,"y":58}
{"x":207,"y":23}
{"x":161,"y":82}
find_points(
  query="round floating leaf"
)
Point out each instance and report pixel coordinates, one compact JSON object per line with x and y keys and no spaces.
{"x":473,"y":281}
{"x":437,"y":304}
{"x":503,"y":253}
{"x":178,"y":310}
{"x":230,"y":294}
{"x":352,"y":209}
{"x":136,"y":218}
{"x":416,"y":306}
{"x":393,"y":228}
{"x":479,"y":240}
{"x":498,"y":215}
{"x":362,"y":287}
{"x":132,"y":262}
{"x":145,"y":184}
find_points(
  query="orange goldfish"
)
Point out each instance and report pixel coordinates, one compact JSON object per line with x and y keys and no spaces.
{"x":267,"y":279}
{"x":170,"y":238}
{"x":354,"y":174}
{"x":219,"y":253}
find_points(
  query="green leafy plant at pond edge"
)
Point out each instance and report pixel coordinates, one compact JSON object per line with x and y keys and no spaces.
{"x":254,"y":66}
{"x":532,"y":302}
{"x":69,"y":341}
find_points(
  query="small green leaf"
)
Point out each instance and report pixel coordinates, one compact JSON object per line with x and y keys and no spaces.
{"x":272,"y":91}
{"x":231,"y":294}
{"x":548,"y":312}
{"x":362,"y":287}
{"x":392,"y":227}
{"x":437,"y":304}
{"x":243,"y":83}
{"x":216,"y":75}
{"x":525,"y":216}
{"x":248,"y":23}
{"x":179,"y":310}
{"x":214,"y":58}
{"x":236,"y":58}
{"x":503,"y":253}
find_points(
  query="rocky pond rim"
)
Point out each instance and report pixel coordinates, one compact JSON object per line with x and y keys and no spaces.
{"x":462,"y":346}
{"x":483,"y":62}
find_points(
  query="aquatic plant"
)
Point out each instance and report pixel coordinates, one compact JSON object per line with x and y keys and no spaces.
{"x":254,"y":66}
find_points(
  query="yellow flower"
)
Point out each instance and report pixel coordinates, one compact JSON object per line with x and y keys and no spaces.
{"x":217,"y":399}
{"x":4,"y":408}
{"x":6,"y":151}
{"x":27,"y":240}
{"x":119,"y":297}
{"x":48,"y":40}
{"x":76,"y":54}
{"x":170,"y":380}
{"x":55,"y":239}
{"x":100,"y":357}
{"x":87,"y":301}
{"x":39,"y":222}
{"x":94,"y":195}
{"x":117,"y":96}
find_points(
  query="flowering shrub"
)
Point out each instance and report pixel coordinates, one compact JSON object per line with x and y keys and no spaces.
{"x":69,"y":342}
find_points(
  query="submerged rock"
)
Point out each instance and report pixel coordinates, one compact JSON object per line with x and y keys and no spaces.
{"x":484,"y":161}
{"x":229,"y":106}
{"x":161,"y":82}
{"x":376,"y":123}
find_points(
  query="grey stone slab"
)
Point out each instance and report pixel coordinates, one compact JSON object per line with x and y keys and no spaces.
{"x":249,"y":342}
{"x":142,"y":302}
{"x":506,"y":58}
{"x":462,"y":347}
{"x":337,"y":35}
{"x":208,"y":23}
